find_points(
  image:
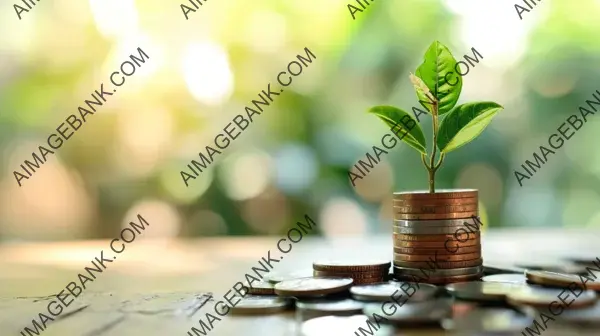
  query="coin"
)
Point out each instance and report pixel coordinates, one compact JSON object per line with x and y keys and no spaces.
{"x":434,"y":209}
{"x":471,"y":222}
{"x":367,"y":281}
{"x":562,"y":280}
{"x":442,"y":265}
{"x":553,"y":266}
{"x":261,"y":305}
{"x":314,"y":286}
{"x":353,"y":275}
{"x":460,"y":236}
{"x":440,"y":193}
{"x":542,"y":297}
{"x":488,"y":320}
{"x":506,"y":278}
{"x":495,"y":268}
{"x":481,"y":291}
{"x":276,"y":277}
{"x":351,"y":265}
{"x":437,"y":280}
{"x":435,"y":201}
{"x":386,"y":291}
{"x":438,"y":273}
{"x":449,"y":257}
{"x":430,"y":230}
{"x":450,"y":244}
{"x":341,"y":307}
{"x":589,"y":316}
{"x":417,"y":313}
{"x":434,"y":251}
{"x":261,"y":288}
{"x":447,"y":215}
{"x":336,"y":325}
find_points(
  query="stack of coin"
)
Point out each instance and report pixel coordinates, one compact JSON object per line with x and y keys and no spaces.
{"x":436,"y":236}
{"x":366,"y":272}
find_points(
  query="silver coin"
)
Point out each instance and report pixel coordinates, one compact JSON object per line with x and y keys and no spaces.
{"x":261,"y":305}
{"x":331,"y":307}
{"x":418,"y":313}
{"x":335,"y":325}
{"x":495,"y":268}
{"x":394,"y":291}
{"x":506,"y":278}
{"x":314,"y":286}
{"x":261,"y":288}
{"x":586,"y":317}
{"x":409,"y":223}
{"x":433,"y":230}
{"x":276,"y":277}
{"x":488,"y":320}
{"x":551,"y":266}
{"x":543,"y":297}
{"x":481,"y":291}
{"x":439,"y":273}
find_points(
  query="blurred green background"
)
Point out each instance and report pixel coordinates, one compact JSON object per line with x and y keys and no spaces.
{"x":295,"y":157}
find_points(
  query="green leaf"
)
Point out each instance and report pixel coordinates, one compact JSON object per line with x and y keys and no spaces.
{"x":464,"y":123}
{"x":399,"y":122}
{"x":438,"y":72}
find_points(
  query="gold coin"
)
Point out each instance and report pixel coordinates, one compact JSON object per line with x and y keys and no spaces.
{"x":436,"y":202}
{"x":440,"y":193}
{"x":434,"y":209}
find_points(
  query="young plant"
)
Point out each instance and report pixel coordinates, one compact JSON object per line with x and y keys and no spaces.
{"x":453,"y":126}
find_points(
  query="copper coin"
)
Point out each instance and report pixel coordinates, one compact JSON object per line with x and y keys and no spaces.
{"x":440,"y":251}
{"x":451,"y":257}
{"x":353,"y":275}
{"x":435,"y":202}
{"x":450,"y":244}
{"x":460,"y":236}
{"x":562,"y":280}
{"x":448,"y":215}
{"x":473,"y":222}
{"x":439,"y":264}
{"x":368,"y":281}
{"x":352,"y":265}
{"x":437,"y":273}
{"x":439,"y":280}
{"x":435,"y":230}
{"x":313,"y":286}
{"x":543,"y":297}
{"x":431,"y":209}
{"x":440,"y":193}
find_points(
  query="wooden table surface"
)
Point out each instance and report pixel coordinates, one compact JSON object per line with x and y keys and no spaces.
{"x":160,"y":287}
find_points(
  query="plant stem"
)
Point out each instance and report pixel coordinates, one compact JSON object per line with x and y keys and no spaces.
{"x":432,"y":167}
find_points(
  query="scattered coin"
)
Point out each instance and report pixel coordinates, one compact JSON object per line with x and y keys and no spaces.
{"x":370,"y":280}
{"x":563,"y":280}
{"x":336,"y":325}
{"x":276,"y":277}
{"x":439,"y":193}
{"x":438,"y":273}
{"x":260,"y":305}
{"x":439,"y":258}
{"x":542,"y":297}
{"x":552,"y":266}
{"x":313,"y":286}
{"x":450,"y":243}
{"x":340,"y":307}
{"x":460,"y":236}
{"x":448,"y":215}
{"x":383,"y":291}
{"x":417,"y":313}
{"x":353,"y":275}
{"x":261,"y":288}
{"x":440,"y":251}
{"x":506,"y":278}
{"x":481,"y":291}
{"x":352,"y":266}
{"x":434,"y":209}
{"x":488,"y":320}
